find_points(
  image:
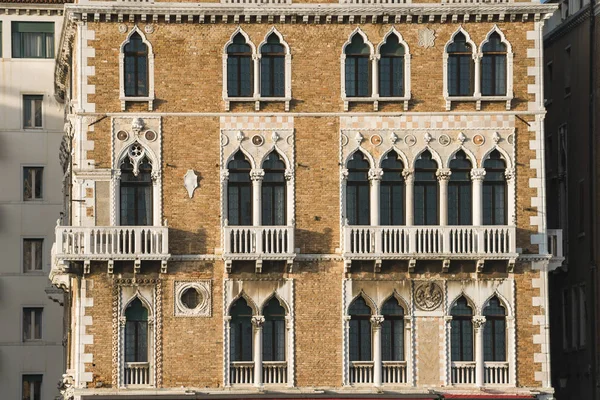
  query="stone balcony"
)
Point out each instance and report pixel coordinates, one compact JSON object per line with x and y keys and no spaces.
{"x":429,"y":242}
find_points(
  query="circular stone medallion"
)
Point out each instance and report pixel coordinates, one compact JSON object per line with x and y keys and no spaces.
{"x":444,"y":140}
{"x":428,"y":296}
{"x":150,"y":136}
{"x":344,"y":140}
{"x":478,"y":140}
{"x":376,"y":140}
{"x":410,"y":140}
{"x":511,"y":139}
{"x":257,"y":140}
{"x":122,"y":135}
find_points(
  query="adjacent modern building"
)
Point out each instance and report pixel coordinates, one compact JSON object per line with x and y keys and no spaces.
{"x":31,"y":200}
{"x":307,"y":199}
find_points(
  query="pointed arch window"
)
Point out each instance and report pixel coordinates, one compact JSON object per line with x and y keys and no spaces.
{"x":392,"y":331}
{"x":240,"y":331}
{"x":357,"y":190}
{"x":136,"y":205}
{"x":274,"y":332}
{"x":272,"y":68}
{"x":391,"y":68}
{"x":391,"y":201}
{"x":461,"y":341}
{"x":360,"y":330}
{"x":494,"y":331}
{"x":274,"y":191}
{"x":239,"y":191}
{"x":494,"y":67}
{"x":460,"y":192}
{"x":357,"y":68}
{"x":426,"y":190}
{"x":494,"y":190}
{"x":460,"y":67}
{"x":136,"y":67}
{"x":136,"y":332}
{"x":239,"y":68}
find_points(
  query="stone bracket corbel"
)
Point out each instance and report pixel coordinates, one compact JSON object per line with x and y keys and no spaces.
{"x":479,"y":265}
{"x":412,"y":263}
{"x":378,"y":263}
{"x":259,"y":264}
{"x":445,"y":265}
{"x":110,"y":268}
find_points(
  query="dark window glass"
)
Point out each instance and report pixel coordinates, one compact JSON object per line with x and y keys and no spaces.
{"x":357,"y":190}
{"x":241,"y":331}
{"x":462,"y":331}
{"x":32,"y":254}
{"x":358,"y":71}
{"x":0,"y":38}
{"x":136,"y":193}
{"x":426,"y":190}
{"x":33,"y":39}
{"x":239,"y":191}
{"x":392,"y":331}
{"x":391,"y":201}
{"x":494,"y":190}
{"x":494,"y":331}
{"x":191,"y":298}
{"x":32,"y":111}
{"x":360,"y":331}
{"x":33,"y":178}
{"x":273,"y":191}
{"x":460,"y":67}
{"x":272,"y":68}
{"x":136,"y":332}
{"x":391,"y":68}
{"x":459,"y":191}
{"x":239,"y":68}
{"x":274,"y":332}
{"x":493,"y":67}
{"x":136,"y":67}
{"x":32,"y":323}
{"x":32,"y":387}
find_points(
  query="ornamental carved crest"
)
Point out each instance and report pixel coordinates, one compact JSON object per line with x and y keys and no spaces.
{"x":426,"y":37}
{"x":428,"y":296}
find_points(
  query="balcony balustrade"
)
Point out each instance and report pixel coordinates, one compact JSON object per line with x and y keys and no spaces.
{"x":463,"y":372}
{"x":361,"y":372}
{"x":495,"y":373}
{"x":274,"y":372}
{"x":393,"y":372}
{"x":259,"y":243}
{"x":136,"y":374}
{"x":241,"y":372}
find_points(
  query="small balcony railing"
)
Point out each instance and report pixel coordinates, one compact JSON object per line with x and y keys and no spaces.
{"x":394,"y":372}
{"x":555,"y":247}
{"x":361,"y":372}
{"x":136,"y":374}
{"x":274,"y":372}
{"x":463,"y":372}
{"x":397,"y":241}
{"x":259,"y":242}
{"x":495,"y":373}
{"x":241,"y":372}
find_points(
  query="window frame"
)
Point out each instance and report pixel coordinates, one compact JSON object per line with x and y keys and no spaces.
{"x":455,"y":184}
{"x":360,"y":319}
{"x":41,"y":385}
{"x":490,"y":327}
{"x":46,"y":37}
{"x":461,"y":319}
{"x":138,"y":194}
{"x":358,"y":184}
{"x":391,"y":184}
{"x":487,"y":182}
{"x":287,"y":96}
{"x":30,"y":100}
{"x":427,"y":185}
{"x":247,"y":184}
{"x":272,"y":185}
{"x":33,"y":198}
{"x":23,"y":258}
{"x":122,"y":97}
{"x":32,"y":310}
{"x":494,"y":55}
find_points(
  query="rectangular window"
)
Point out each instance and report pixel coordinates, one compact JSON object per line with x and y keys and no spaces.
{"x":32,"y":254}
{"x":33,"y":183}
{"x":32,"y":111}
{"x":32,"y":387}
{"x":565,"y":314}
{"x":582,"y":316}
{"x":33,"y":39}
{"x":32,"y":323}
{"x":581,"y":207}
{"x":567,"y":67}
{"x":574,"y":317}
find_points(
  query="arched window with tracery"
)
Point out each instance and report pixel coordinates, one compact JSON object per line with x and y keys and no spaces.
{"x":273,"y":191}
{"x":239,"y":68}
{"x":493,"y":67}
{"x":495,"y":190}
{"x":136,"y":332}
{"x":392,"y":191}
{"x":460,"y":66}
{"x":460,"y":192}
{"x":392,"y":331}
{"x":360,"y":331}
{"x":274,"y":332}
{"x":494,"y":331}
{"x":240,"y":331}
{"x":239,"y":191}
{"x":357,"y":190}
{"x":391,"y":68}
{"x":136,"y":205}
{"x":425,"y":190}
{"x":136,"y":67}
{"x":357,"y":65}
{"x":461,"y":340}
{"x":272,"y":68}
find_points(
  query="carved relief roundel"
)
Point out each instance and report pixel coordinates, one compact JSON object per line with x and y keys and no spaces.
{"x":428,"y":296}
{"x":193,"y":299}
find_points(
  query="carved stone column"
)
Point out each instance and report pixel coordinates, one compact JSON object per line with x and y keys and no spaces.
{"x":290,"y":197}
{"x":409,"y":183}
{"x":256,"y":175}
{"x":443,"y":176}
{"x":375,"y":175}
{"x":477,"y":176}
{"x":258,"y":322}
{"x":478,"y":324}
{"x":375,"y":75}
{"x":376,"y":321}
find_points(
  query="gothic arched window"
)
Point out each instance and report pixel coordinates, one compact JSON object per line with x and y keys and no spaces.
{"x":239,"y":191}
{"x":460,"y":67}
{"x":391,"y":201}
{"x":357,"y":190}
{"x":240,"y":331}
{"x":272,"y":68}
{"x":426,"y":190}
{"x":136,"y":191}
{"x":494,"y":331}
{"x":494,"y":190}
{"x":274,"y":332}
{"x":273,"y":191}
{"x":239,"y":68}
{"x":136,"y":67}
{"x":493,"y":67}
{"x":360,"y":330}
{"x":136,"y":332}
{"x":461,"y":341}
{"x":391,"y":68}
{"x":460,"y":193}
{"x":392,"y":331}
{"x":358,"y":71}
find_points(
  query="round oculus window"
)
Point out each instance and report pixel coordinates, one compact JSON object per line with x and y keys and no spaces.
{"x":191,"y":297}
